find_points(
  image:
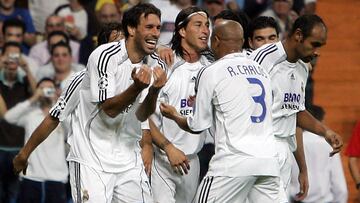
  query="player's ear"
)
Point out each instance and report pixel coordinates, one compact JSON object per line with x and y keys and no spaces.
{"x":131,"y":30}
{"x":182,"y":32}
{"x":299,"y":37}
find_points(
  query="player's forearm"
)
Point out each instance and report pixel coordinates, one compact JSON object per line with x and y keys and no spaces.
{"x":146,"y":138}
{"x":39,"y":135}
{"x":299,"y":153}
{"x":307,"y":122}
{"x":157,"y":137}
{"x":354,"y":169}
{"x":117,"y":104}
{"x":182,"y":123}
{"x":147,"y":107}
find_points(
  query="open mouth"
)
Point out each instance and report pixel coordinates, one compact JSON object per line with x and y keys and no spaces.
{"x":204,"y":39}
{"x":151,"y":43}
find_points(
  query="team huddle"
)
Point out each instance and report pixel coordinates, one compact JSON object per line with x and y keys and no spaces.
{"x":137,"y":121}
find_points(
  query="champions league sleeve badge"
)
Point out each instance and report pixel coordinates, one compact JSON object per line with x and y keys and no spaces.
{"x":103,"y":82}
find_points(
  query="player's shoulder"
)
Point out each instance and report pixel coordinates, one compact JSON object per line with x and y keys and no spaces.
{"x":112,"y":49}
{"x":268,"y":52}
{"x":155,"y":60}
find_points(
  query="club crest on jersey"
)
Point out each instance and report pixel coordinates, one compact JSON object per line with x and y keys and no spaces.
{"x":103,"y":82}
{"x":61,"y":104}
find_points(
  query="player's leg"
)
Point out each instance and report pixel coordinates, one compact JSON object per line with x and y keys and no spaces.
{"x":187,"y":186}
{"x":162,"y":179}
{"x":265,"y":190}
{"x":133,"y":185}
{"x":89,"y":185}
{"x":224,"y":189}
{"x":285,"y":168}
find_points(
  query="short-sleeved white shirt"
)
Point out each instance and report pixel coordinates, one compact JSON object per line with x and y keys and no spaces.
{"x":234,"y":95}
{"x":176,"y":92}
{"x":101,"y":142}
{"x":288,"y":82}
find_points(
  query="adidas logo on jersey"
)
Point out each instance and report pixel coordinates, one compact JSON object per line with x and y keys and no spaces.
{"x":193,"y":79}
{"x":292,"y":76}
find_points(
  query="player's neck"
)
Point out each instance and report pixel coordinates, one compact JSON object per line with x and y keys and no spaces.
{"x":190,"y":55}
{"x":135,"y":55}
{"x":290,"y":48}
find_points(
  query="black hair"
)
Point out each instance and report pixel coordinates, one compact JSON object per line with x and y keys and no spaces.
{"x":45,"y":79}
{"x":105,"y":32}
{"x":58,"y":32}
{"x":10,"y":44}
{"x":60,"y":44}
{"x":14,"y":22}
{"x":238,"y":16}
{"x":131,"y":17}
{"x":317,"y":111}
{"x":262,"y":22}
{"x":182,"y":20}
{"x":306,"y":23}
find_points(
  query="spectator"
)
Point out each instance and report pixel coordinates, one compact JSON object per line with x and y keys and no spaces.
{"x":13,"y":32}
{"x":168,"y":14}
{"x":353,"y":152}
{"x":281,"y":11}
{"x":326,"y":176}
{"x":108,"y":12}
{"x":41,"y":9}
{"x":45,"y":178}
{"x":9,"y":11}
{"x":214,"y":7}
{"x":14,"y":89}
{"x":76,"y":19}
{"x":41,"y":52}
{"x":60,"y":68}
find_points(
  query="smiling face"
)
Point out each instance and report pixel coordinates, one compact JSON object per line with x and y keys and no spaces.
{"x":308,"y":48}
{"x":196,"y":33}
{"x":146,"y":33}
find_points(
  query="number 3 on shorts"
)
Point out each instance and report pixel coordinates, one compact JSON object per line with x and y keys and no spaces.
{"x":259,"y":100}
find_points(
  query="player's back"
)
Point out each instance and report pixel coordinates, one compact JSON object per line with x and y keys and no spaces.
{"x":241,"y":98}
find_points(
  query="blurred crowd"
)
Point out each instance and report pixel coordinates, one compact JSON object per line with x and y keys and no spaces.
{"x":43,"y":42}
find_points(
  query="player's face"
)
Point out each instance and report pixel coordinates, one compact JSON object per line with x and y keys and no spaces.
{"x":147,"y":33}
{"x":263,"y":36}
{"x":309,"y":47}
{"x":196,"y":33}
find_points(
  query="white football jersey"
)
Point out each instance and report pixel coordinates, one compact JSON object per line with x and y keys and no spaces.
{"x":288,"y":82}
{"x":97,"y":140}
{"x":234,"y":95}
{"x":177,"y":92}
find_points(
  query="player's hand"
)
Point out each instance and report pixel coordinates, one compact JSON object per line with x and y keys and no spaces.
{"x":142,"y":77}
{"x":166,"y":54}
{"x":167,"y":110}
{"x":334,"y":140}
{"x":147,"y":154}
{"x":304,"y":186}
{"x":178,"y":160}
{"x":159,"y":78}
{"x":20,"y":163}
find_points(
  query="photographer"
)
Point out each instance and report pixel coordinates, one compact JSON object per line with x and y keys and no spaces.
{"x":47,"y":166}
{"x":14,"y":88}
